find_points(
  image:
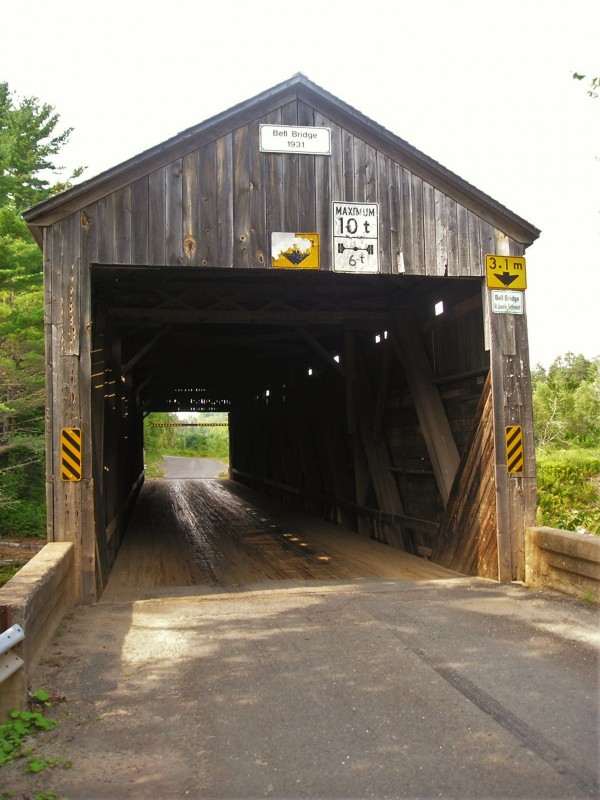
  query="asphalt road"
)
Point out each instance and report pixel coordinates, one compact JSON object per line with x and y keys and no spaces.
{"x":368,"y":689}
{"x":177,"y":467}
{"x":447,"y":687}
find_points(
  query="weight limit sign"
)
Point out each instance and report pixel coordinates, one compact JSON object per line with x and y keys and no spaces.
{"x":514,"y":449}
{"x":355,"y":237}
{"x":70,"y":454}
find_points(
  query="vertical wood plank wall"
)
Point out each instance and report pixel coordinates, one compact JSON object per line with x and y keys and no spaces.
{"x":467,"y":540}
{"x":216,"y":205}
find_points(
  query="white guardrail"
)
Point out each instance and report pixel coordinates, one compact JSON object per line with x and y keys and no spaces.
{"x":10,"y":662}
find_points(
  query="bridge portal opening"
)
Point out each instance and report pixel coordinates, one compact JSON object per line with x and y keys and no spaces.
{"x":328,"y":383}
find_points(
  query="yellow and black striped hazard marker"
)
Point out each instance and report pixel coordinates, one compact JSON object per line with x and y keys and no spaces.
{"x":189,"y":424}
{"x":514,"y":449}
{"x":70,"y":454}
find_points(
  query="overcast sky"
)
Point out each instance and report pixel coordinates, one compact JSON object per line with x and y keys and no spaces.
{"x":483,"y":88}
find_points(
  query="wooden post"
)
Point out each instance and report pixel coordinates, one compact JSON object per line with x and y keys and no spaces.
{"x":64,"y":388}
{"x":511,"y":391}
{"x":71,"y":505}
{"x":361,"y":475}
{"x":331,"y":400}
{"x":377,"y":457}
{"x":97,"y":408}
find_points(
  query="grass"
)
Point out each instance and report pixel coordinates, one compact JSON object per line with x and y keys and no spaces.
{"x":7,"y":571}
{"x":569,"y":489}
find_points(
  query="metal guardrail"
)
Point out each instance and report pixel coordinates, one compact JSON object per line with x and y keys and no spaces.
{"x":10,"y":662}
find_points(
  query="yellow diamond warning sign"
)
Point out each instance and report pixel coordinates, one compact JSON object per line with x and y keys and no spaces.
{"x":295,"y":250}
{"x":505,"y":271}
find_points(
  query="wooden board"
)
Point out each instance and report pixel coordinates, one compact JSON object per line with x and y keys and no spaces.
{"x":191,"y":209}
{"x":467,"y":540}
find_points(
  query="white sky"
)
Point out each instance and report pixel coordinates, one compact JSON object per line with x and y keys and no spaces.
{"x":484,"y":88}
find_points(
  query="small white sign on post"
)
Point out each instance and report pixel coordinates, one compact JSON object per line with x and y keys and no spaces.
{"x":507,"y":302}
{"x":355,"y":237}
{"x":298,"y":139}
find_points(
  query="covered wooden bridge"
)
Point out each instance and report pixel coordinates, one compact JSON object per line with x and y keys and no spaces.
{"x":298,"y":266}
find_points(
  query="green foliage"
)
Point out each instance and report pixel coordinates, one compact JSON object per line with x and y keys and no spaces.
{"x":40,"y":696}
{"x":566,"y":409}
{"x":20,"y":725}
{"x":568,"y":490}
{"x":36,"y":796}
{"x":16,"y":741}
{"x":22,"y":371}
{"x":162,"y":437}
{"x":566,"y":403}
{"x":24,"y":481}
{"x":8,"y":571}
{"x":22,"y":496}
{"x":28,"y":143}
{"x":29,"y":140}
{"x":593,"y":85}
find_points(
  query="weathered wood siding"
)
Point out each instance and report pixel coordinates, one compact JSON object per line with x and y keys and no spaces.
{"x":467,"y":540}
{"x":217,"y":206}
{"x":214,"y":201}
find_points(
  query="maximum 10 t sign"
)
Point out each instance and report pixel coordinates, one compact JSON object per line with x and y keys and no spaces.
{"x":355,"y":237}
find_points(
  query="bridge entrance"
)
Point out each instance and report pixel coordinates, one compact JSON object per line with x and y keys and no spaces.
{"x":310,"y":370}
{"x":375,"y":394}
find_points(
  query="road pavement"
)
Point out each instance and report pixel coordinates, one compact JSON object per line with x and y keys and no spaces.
{"x":179,"y":467}
{"x":357,"y":688}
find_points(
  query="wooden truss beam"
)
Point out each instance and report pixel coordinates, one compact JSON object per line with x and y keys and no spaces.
{"x":245,"y":316}
{"x":428,"y":403}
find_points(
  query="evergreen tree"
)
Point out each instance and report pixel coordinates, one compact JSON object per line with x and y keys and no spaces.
{"x":29,"y":141}
{"x":28,"y":144}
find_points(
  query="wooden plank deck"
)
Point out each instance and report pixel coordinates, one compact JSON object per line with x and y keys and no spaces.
{"x":222,"y":535}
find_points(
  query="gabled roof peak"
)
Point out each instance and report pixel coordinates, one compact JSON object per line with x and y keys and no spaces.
{"x":298,"y":87}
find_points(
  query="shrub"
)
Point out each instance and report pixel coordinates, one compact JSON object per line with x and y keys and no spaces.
{"x":24,"y":518}
{"x":568,"y":493}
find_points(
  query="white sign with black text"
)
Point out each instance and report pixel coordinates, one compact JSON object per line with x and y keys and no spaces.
{"x":505,"y":301}
{"x":355,"y":237}
{"x":298,"y":139}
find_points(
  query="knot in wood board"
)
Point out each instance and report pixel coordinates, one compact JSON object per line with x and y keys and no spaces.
{"x":189,"y":245}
